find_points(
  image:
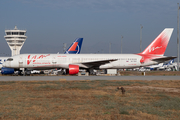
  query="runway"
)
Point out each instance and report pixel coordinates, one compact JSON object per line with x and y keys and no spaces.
{"x":56,"y":78}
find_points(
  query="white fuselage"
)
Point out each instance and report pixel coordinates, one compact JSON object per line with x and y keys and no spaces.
{"x":49,"y":61}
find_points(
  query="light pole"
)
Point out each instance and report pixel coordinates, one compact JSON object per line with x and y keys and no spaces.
{"x":121,"y":43}
{"x":141,"y":38}
{"x":178,"y":38}
{"x":64,"y":47}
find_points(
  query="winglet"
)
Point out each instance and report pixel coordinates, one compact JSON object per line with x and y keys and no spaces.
{"x":158,"y":46}
{"x":75,"y":47}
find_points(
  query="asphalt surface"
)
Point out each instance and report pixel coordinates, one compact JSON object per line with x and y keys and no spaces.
{"x":55,"y":78}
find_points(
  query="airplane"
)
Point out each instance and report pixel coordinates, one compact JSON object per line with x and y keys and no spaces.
{"x":74,"y":48}
{"x":160,"y":66}
{"x":165,"y":66}
{"x":173,"y":65}
{"x":3,"y":69}
{"x":154,"y":67}
{"x":2,"y":60}
{"x":153,"y":54}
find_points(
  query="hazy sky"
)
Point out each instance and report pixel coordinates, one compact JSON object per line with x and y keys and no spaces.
{"x":50,"y":23}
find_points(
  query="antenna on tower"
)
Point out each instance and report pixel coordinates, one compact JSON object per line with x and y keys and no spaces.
{"x":15,"y":27}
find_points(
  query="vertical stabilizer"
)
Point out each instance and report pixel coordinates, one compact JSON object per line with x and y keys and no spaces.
{"x":75,"y":47}
{"x":158,"y":46}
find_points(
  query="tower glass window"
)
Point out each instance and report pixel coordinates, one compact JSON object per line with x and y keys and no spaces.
{"x":21,"y":33}
{"x":8,"y":33}
{"x":14,"y":33}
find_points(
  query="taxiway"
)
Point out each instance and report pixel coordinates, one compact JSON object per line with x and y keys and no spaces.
{"x":55,"y":78}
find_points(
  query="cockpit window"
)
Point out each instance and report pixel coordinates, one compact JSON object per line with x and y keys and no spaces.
{"x":9,"y":59}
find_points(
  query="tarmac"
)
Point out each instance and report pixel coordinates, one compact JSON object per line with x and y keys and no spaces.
{"x":56,"y":78}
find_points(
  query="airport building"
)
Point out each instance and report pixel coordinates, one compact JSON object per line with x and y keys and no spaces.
{"x":15,"y":39}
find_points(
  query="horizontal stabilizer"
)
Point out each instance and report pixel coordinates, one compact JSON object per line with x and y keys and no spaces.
{"x":163,"y":59}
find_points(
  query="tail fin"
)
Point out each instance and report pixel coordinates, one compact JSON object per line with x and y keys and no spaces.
{"x":158,"y":46}
{"x":75,"y":47}
{"x":170,"y":62}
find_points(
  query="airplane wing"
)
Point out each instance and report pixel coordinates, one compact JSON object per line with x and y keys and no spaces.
{"x":95,"y":64}
{"x":163,"y":59}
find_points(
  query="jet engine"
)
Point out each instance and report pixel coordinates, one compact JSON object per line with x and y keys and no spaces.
{"x":5,"y":70}
{"x":73,"y":69}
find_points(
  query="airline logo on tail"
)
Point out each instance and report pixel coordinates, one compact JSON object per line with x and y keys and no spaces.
{"x":75,"y":47}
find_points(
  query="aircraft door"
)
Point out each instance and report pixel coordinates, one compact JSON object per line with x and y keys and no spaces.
{"x":54,"y":61}
{"x":21,"y":62}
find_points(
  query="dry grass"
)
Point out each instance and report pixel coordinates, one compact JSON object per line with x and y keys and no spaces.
{"x":90,"y":100}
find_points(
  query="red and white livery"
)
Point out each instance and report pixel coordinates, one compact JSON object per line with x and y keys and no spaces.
{"x":153,"y":54}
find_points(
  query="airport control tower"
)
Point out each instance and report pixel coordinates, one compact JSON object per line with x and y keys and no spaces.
{"x":15,"y":39}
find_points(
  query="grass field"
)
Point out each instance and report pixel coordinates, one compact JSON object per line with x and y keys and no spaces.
{"x":157,"y":100}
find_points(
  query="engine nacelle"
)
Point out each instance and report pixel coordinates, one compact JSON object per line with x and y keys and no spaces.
{"x":5,"y":70}
{"x":73,"y":69}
